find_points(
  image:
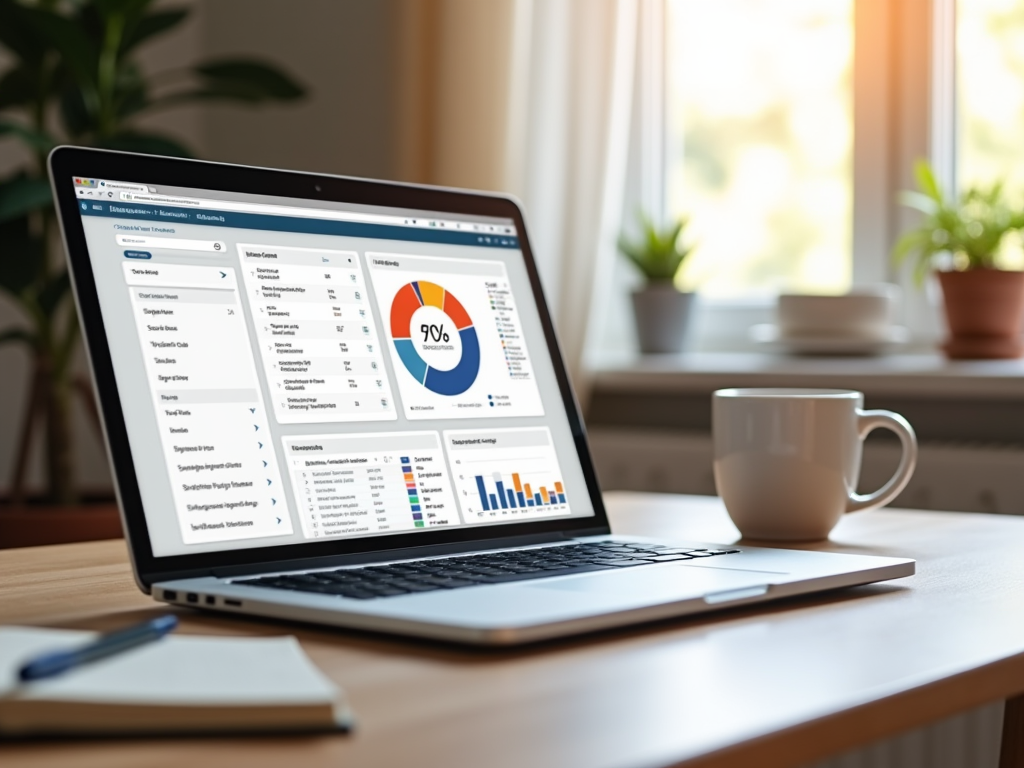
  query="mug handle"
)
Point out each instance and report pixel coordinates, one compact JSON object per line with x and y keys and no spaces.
{"x":871,"y":420}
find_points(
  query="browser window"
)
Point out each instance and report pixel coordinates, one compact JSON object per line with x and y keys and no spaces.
{"x":294,"y":370}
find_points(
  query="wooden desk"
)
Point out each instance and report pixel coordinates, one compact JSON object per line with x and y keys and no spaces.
{"x":776,"y":686}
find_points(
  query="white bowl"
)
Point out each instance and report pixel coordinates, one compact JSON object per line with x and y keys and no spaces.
{"x":860,"y":314}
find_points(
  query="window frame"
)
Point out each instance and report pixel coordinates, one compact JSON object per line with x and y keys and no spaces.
{"x":904,"y":109}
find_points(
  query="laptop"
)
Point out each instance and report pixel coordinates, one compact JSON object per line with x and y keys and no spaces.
{"x":342,"y":401}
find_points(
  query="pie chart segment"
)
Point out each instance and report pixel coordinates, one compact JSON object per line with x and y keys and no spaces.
{"x":407,"y":301}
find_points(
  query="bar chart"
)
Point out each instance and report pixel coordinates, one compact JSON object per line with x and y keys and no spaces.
{"x":513,"y":493}
{"x":506,"y":474}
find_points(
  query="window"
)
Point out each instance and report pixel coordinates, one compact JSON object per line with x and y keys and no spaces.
{"x":990,"y":98}
{"x":760,"y":142}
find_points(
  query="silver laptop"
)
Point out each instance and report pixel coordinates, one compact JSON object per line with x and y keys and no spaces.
{"x":342,"y":401}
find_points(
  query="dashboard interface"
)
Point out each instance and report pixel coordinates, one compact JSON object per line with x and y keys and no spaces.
{"x":294,"y":370}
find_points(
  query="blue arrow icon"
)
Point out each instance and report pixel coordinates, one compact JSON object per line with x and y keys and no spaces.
{"x":223,"y":274}
{"x":259,"y":443}
{"x":256,"y":427}
{"x":264,"y":461}
{"x":268,"y":481}
{"x":274,"y":503}
{"x":279,"y":521}
{"x":252,"y":410}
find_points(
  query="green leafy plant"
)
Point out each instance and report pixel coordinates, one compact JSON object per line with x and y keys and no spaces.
{"x":659,"y":253}
{"x":968,"y":230}
{"x":74,"y":78}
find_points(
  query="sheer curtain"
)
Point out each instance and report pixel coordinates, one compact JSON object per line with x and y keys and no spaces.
{"x":531,"y":97}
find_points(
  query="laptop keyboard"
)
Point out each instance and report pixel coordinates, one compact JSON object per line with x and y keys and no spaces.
{"x":403,"y":578}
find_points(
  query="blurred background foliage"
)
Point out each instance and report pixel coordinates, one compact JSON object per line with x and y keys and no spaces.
{"x":74,"y":78}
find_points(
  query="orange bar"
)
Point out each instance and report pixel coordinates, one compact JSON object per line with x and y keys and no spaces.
{"x":409,"y":477}
{"x":529,"y":493}
{"x":544,"y":494}
{"x":515,"y":482}
{"x":558,"y":487}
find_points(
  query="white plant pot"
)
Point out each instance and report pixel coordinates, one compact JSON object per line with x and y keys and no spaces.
{"x":662,"y":318}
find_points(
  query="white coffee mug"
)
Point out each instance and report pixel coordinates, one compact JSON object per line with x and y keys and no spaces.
{"x":787,"y":460}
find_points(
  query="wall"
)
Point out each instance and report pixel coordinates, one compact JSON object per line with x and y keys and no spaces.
{"x":342,"y":50}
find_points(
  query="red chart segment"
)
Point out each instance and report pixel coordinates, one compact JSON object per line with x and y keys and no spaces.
{"x":406,"y":302}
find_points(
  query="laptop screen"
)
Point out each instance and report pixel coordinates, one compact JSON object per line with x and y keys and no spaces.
{"x":294,"y":370}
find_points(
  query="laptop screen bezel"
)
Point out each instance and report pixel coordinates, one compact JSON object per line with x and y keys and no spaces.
{"x":68,"y":162}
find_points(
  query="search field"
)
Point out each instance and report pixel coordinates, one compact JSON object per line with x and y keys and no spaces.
{"x":171,"y":243}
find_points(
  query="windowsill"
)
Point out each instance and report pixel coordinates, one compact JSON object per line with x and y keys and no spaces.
{"x":924,"y":374}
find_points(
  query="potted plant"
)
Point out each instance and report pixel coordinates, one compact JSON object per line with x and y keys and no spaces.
{"x":662,"y":311}
{"x":960,"y":239}
{"x":73,"y":78}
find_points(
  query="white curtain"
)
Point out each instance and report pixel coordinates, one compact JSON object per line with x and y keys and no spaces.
{"x":532,"y":97}
{"x":566,"y":149}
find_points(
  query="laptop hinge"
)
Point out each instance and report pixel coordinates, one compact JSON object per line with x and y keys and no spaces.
{"x":408,"y":553}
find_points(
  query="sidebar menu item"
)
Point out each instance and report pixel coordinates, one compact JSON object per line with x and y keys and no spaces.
{"x":213,"y":424}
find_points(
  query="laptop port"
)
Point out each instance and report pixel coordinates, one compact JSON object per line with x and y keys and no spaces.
{"x":211,"y":600}
{"x":170,"y":594}
{"x":233,"y":603}
{"x":192,"y":597}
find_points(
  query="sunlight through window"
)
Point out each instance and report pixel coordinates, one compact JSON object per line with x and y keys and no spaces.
{"x":760,"y":140}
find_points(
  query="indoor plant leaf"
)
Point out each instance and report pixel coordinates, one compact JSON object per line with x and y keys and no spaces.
{"x":79,"y":53}
{"x":37,"y":140}
{"x":17,"y":88}
{"x":22,"y":195}
{"x":19,"y":34}
{"x":238,"y":80}
{"x":151,"y":25}
{"x":21,"y":255}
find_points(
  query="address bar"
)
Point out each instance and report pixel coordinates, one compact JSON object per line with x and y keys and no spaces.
{"x":279,"y":210}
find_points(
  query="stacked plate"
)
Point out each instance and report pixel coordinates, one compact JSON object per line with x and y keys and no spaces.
{"x":857,"y":323}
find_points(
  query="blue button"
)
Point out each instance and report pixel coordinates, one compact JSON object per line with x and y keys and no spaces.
{"x":138,"y":255}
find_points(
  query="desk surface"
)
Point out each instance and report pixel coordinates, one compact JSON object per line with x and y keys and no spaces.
{"x":776,"y":686}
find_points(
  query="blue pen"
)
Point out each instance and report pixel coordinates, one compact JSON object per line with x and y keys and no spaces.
{"x":57,"y":662}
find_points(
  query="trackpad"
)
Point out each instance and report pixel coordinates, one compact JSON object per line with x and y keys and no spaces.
{"x":657,"y":585}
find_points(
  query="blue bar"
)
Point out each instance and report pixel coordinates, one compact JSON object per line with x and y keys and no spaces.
{"x":536,"y":498}
{"x":415,"y":507}
{"x":494,"y":502}
{"x":170,"y":214}
{"x":482,"y":491}
{"x":404,"y":459}
{"x":529,"y":502}
{"x":501,"y":494}
{"x":561,"y":498}
{"x":406,"y":468}
{"x":522,"y":499}
{"x":511,"y":498}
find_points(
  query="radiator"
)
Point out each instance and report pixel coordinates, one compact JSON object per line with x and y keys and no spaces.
{"x":968,"y":740}
{"x":961,"y":477}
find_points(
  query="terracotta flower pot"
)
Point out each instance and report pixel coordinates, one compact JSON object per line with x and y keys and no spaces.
{"x":985,"y":313}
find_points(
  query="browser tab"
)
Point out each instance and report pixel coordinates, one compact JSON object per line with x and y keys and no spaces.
{"x":116,"y":186}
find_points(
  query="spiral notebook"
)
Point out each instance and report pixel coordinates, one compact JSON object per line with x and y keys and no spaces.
{"x":180,"y":684}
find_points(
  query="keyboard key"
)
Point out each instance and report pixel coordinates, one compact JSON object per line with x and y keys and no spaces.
{"x":669,"y":558}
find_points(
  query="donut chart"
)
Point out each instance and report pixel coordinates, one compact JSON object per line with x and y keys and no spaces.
{"x":421,"y":293}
